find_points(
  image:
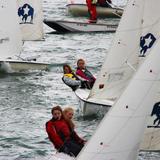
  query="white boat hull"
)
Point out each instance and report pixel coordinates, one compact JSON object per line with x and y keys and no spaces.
{"x":19,"y":66}
{"x":89,"y":107}
{"x":104,"y":12}
{"x":72,"y":26}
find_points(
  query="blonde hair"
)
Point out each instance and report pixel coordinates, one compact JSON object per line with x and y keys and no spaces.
{"x":69,"y":121}
{"x":67,"y":110}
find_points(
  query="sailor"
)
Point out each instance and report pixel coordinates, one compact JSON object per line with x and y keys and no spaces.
{"x":104,"y":3}
{"x":91,"y":4}
{"x":60,"y":135}
{"x":83,"y":72}
{"x":71,"y":79}
{"x":68,"y":115}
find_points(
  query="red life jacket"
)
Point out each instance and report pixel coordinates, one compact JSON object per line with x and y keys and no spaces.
{"x":58,"y":132}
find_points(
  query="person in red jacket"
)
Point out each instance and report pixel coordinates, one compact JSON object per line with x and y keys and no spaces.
{"x":91,"y":4}
{"x":60,"y":135}
{"x":84,"y":73}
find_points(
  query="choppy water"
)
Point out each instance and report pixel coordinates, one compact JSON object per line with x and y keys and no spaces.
{"x":26,"y":99}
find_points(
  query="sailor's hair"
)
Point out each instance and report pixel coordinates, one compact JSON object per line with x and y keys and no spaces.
{"x":56,"y":108}
{"x":80,"y":60}
{"x":66,"y":65}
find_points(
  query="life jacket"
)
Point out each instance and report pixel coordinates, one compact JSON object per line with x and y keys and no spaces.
{"x":58,"y":132}
{"x":70,"y":75}
{"x":86,"y":74}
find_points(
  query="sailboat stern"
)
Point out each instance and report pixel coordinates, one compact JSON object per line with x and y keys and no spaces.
{"x":10,"y":66}
{"x":91,"y":107}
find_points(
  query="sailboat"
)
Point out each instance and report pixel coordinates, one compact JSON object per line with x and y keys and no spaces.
{"x":137,"y":33}
{"x":70,"y":26}
{"x":11,"y":41}
{"x":65,"y":26}
{"x":120,"y":132}
{"x":80,"y":9}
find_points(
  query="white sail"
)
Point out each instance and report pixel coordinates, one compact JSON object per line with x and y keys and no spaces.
{"x":136,"y":34}
{"x":150,"y":34}
{"x":116,"y":73}
{"x":119,"y":134}
{"x":117,"y":70}
{"x":31,"y":19}
{"x":10,"y":39}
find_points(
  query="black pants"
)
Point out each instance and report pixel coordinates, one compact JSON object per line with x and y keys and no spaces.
{"x":71,"y":147}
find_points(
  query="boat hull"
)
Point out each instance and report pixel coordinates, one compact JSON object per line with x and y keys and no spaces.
{"x":68,"y":26}
{"x":19,"y":66}
{"x":103,"y":12}
{"x":90,"y":108}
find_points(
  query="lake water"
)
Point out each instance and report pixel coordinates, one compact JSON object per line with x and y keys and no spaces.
{"x":27,"y":98}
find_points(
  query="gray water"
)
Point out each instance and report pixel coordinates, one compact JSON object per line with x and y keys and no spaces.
{"x":27,"y":98}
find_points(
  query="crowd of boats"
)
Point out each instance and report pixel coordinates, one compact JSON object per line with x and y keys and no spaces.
{"x":81,"y":10}
{"x":126,"y":88}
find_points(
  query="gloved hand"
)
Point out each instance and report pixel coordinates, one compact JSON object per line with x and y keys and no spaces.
{"x":64,"y":149}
